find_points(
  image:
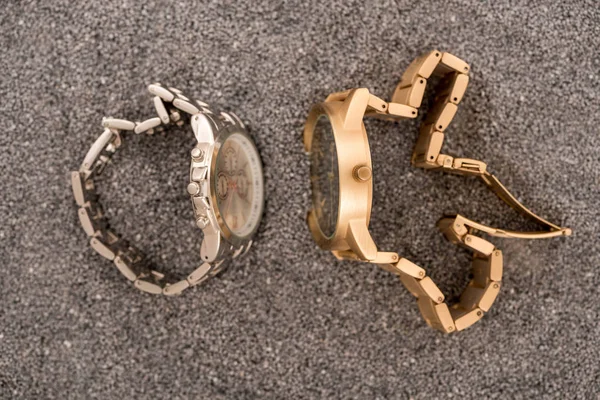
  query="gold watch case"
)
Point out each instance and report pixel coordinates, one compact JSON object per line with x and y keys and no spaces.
{"x":345,"y":111}
{"x":355,"y":196}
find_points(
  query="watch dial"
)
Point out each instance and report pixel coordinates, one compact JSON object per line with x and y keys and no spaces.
{"x":239,"y":185}
{"x":324,"y":176}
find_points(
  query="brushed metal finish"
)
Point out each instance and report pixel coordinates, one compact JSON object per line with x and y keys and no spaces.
{"x":352,"y":241}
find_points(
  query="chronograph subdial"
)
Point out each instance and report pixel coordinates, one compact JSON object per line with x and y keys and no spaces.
{"x":222,"y":186}
{"x":230,"y":159}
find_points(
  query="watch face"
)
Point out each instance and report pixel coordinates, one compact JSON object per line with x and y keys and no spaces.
{"x":239,"y":185}
{"x":324,"y":176}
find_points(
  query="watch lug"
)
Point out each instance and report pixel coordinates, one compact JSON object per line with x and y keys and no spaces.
{"x":354,"y":107}
{"x":360,"y":241}
{"x":204,"y":128}
{"x":211,"y":245}
{"x":233,"y":119}
{"x":248,"y":245}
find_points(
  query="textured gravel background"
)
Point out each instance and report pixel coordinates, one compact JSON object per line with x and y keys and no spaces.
{"x":289,"y":321}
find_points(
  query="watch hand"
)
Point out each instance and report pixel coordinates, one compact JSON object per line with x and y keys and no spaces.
{"x":235,"y":210}
{"x":227,"y":203}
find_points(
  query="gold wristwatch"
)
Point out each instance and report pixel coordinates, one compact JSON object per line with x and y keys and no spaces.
{"x":341,"y":183}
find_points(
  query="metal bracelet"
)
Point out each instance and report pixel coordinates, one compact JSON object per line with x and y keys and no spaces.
{"x":476,"y":299}
{"x":483,"y":289}
{"x":427,"y":152}
{"x":168,"y":102}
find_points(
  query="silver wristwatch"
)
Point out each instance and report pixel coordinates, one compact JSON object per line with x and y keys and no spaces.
{"x":226,"y":187}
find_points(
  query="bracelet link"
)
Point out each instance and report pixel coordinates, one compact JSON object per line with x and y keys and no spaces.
{"x":147,"y":286}
{"x":199,"y":275}
{"x":105,"y":244}
{"x":83,"y":189}
{"x":176,"y":288}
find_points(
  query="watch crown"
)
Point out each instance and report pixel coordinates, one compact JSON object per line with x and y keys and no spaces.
{"x":362,"y":173}
{"x":202,"y":222}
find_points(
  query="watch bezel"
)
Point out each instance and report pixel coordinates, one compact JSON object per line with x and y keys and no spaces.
{"x":352,"y":146}
{"x":228,"y":234}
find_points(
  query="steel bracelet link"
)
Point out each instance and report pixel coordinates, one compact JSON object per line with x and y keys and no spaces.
{"x":131,"y":263}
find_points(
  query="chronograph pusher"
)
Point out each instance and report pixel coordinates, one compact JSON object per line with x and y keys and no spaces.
{"x":222,"y":142}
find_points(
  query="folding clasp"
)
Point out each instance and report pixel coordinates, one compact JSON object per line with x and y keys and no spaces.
{"x":462,"y":166}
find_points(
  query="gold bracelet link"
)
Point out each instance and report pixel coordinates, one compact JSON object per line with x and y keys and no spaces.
{"x":378,"y":108}
{"x":428,"y":147}
{"x":476,"y":299}
{"x":451,"y":90}
{"x":427,"y":152}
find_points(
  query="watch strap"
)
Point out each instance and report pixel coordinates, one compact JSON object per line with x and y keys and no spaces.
{"x":475,"y":300}
{"x":487,"y":263}
{"x":379,"y":108}
{"x":427,"y":152}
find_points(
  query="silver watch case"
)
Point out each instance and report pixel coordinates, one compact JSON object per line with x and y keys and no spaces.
{"x":211,"y":131}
